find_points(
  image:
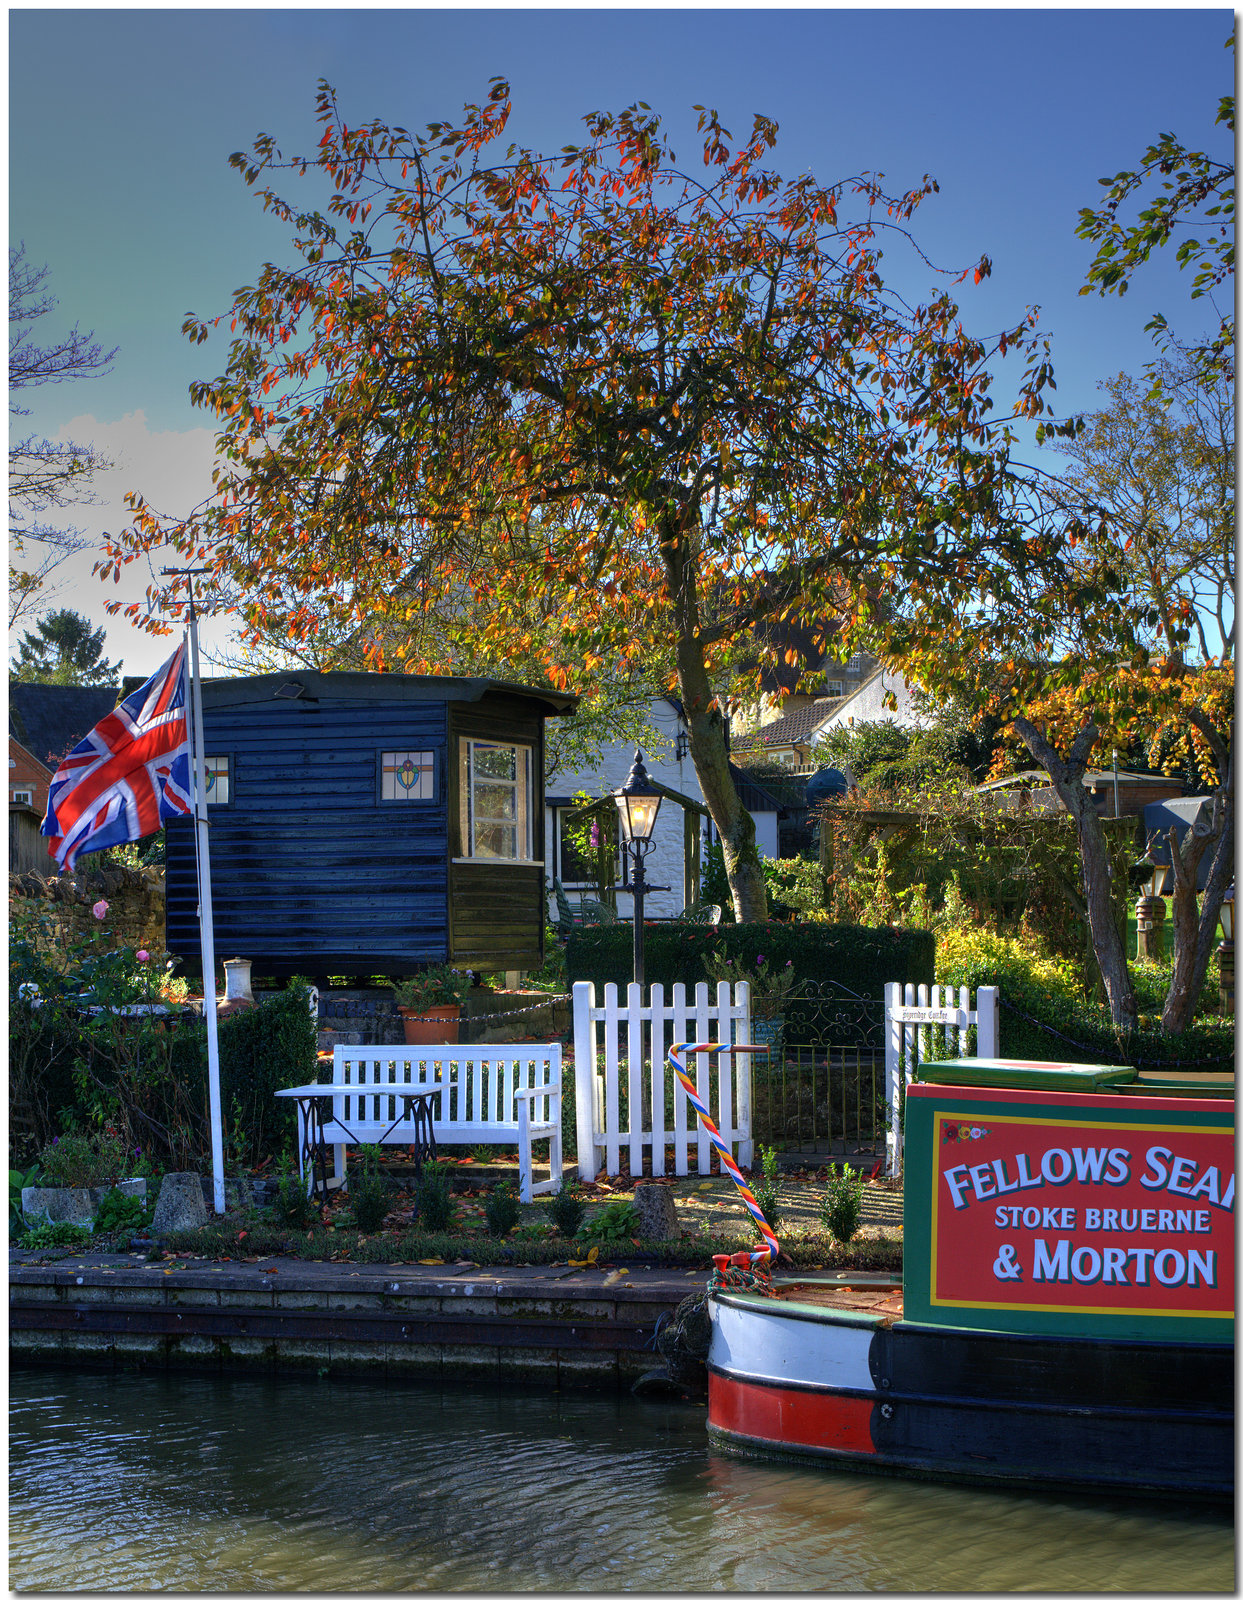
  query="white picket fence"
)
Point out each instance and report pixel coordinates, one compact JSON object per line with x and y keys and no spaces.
{"x":722,"y":1081}
{"x":923,"y":1024}
{"x":919,"y":1024}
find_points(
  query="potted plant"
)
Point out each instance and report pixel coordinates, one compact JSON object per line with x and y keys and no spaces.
{"x":430,"y":1003}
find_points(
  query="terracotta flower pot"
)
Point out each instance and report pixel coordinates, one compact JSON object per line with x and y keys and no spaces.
{"x":433,"y":1025}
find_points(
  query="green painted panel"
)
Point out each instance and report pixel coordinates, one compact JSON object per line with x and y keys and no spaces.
{"x":1024,"y":1074}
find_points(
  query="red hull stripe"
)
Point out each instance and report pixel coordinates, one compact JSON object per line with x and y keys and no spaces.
{"x":791,"y":1416}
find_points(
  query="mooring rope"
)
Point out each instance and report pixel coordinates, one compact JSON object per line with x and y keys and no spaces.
{"x":760,"y":1260}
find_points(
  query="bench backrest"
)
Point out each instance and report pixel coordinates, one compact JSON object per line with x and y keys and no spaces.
{"x":476,"y":1083}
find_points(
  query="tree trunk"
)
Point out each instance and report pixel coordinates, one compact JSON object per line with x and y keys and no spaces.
{"x":1107,"y":940}
{"x":1195,"y":927}
{"x":709,"y":751}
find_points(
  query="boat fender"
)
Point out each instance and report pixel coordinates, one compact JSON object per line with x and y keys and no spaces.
{"x":683,"y":1343}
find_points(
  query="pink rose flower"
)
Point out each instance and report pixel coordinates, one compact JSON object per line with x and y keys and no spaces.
{"x":99,"y":910}
{"x":144,"y":955}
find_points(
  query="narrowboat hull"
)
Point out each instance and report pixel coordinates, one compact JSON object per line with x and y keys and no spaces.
{"x":869,"y":1391}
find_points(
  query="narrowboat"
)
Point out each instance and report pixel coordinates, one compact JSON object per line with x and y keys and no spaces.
{"x":1065,"y":1315}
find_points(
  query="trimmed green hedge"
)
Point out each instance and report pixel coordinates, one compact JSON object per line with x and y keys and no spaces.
{"x":861,"y":959}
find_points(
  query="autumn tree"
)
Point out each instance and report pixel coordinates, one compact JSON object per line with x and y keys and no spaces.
{"x":1152,"y":474}
{"x":43,"y":474}
{"x":1175,"y":196}
{"x":662,"y":403}
{"x":64,"y":648}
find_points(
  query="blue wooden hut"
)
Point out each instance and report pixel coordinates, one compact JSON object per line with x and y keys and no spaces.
{"x":367,"y":823}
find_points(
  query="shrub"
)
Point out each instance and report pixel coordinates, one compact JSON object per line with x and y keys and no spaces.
{"x":433,"y":1197}
{"x":63,"y":1235}
{"x":501,"y":1210}
{"x":842,"y":1203}
{"x":293,"y":1205}
{"x":765,"y":1191}
{"x":82,"y":1161}
{"x":566,"y":1211}
{"x":618,"y":1220}
{"x":370,"y":1192}
{"x":1043,"y":1012}
{"x":118,"y":1213}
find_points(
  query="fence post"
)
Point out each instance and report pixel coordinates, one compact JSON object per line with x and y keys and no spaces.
{"x":988,"y":1021}
{"x":893,"y":1066}
{"x":743,"y":1077}
{"x":585,"y":1080}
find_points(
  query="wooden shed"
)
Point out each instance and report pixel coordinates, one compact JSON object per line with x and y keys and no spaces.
{"x":367,"y":823}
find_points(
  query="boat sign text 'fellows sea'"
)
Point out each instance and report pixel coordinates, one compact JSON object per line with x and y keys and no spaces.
{"x":1074,"y":1211}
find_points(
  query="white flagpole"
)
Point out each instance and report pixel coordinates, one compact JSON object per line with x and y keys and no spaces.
{"x":206,"y":930}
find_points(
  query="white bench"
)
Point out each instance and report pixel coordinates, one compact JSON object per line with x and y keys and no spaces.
{"x":483,"y":1094}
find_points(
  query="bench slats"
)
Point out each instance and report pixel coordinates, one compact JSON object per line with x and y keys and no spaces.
{"x":489,"y":1094}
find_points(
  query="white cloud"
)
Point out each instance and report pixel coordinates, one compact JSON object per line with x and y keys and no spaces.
{"x":172,"y":472}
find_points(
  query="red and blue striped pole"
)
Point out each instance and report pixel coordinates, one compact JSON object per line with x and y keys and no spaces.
{"x":771,"y":1247}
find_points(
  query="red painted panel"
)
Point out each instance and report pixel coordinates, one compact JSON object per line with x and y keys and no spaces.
{"x":1081,"y":1212}
{"x":790,"y":1416}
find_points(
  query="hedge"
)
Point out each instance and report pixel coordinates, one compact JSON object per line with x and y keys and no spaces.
{"x":863,"y":960}
{"x":270,"y":1047}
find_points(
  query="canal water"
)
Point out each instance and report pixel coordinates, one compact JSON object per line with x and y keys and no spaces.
{"x":136,"y":1482}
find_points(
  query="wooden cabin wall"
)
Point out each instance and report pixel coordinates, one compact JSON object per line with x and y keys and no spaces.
{"x":496,"y":908}
{"x":311,"y":872}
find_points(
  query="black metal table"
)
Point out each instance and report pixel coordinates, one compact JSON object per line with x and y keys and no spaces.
{"x":315,"y":1117}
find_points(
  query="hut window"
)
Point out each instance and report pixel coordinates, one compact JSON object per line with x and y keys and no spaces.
{"x":496,"y":800}
{"x":408,"y":775}
{"x":216,"y":780}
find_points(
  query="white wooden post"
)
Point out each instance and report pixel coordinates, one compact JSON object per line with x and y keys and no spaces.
{"x":893,"y":1065}
{"x":585,"y":1079}
{"x":988,"y":1022}
{"x":660,"y":1049}
{"x":634,"y":1081}
{"x":742,"y":1077}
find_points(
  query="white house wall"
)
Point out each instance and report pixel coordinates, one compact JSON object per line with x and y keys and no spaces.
{"x":868,"y":705}
{"x":666,"y":863}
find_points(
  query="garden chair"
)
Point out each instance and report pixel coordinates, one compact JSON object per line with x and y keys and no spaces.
{"x":586,"y":913}
{"x":704,"y":912}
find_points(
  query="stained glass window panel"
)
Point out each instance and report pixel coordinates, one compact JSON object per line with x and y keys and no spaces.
{"x":408,"y":775}
{"x":216,"y":780}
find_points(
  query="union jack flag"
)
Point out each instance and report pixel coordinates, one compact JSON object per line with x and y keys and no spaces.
{"x":130,"y":773}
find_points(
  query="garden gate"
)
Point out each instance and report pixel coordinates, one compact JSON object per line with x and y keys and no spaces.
{"x":644,"y":1107}
{"x":923,"y":1027}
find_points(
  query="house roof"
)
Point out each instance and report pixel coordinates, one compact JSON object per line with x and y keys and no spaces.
{"x":801,"y":725}
{"x":372,"y":686}
{"x":50,"y":718}
{"x":29,"y":754}
{"x":1093,"y":777}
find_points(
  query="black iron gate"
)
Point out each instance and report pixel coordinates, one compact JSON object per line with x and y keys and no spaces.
{"x":820,"y":1091}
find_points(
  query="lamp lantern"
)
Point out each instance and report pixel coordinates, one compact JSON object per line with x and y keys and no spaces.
{"x":1227,"y":915}
{"x":1150,"y":910}
{"x":638,"y":802}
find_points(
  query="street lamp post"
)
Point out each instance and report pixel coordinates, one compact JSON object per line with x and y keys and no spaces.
{"x":1150,"y":913}
{"x":638,"y":801}
{"x":1225,"y":954}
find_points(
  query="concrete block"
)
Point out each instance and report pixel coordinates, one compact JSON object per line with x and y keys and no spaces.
{"x":59,"y":1205}
{"x":657,"y":1214}
{"x":181,"y":1204}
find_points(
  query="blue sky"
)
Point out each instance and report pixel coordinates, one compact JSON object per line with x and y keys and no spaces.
{"x":122,"y":122}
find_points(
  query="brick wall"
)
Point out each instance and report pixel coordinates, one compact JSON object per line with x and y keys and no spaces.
{"x":135,"y":905}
